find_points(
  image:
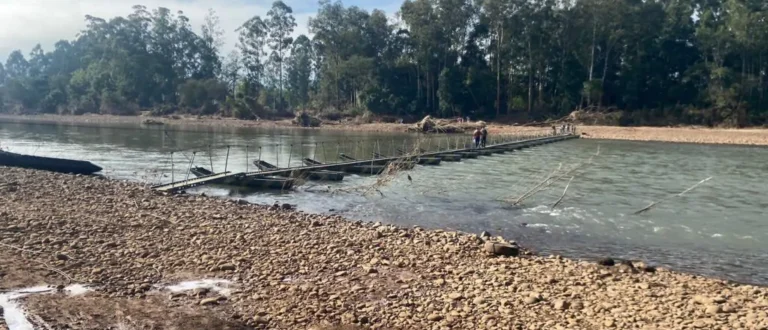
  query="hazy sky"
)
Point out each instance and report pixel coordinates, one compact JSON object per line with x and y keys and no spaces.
{"x":25,"y":23}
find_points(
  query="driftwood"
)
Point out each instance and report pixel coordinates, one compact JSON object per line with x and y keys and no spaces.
{"x":672,"y":196}
{"x":534,"y":190}
{"x":551,"y":179}
{"x":41,"y":263}
{"x":546,"y":122}
{"x":563,"y":196}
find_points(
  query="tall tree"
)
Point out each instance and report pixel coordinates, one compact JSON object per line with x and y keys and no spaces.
{"x":300,"y":71}
{"x":280,"y":25}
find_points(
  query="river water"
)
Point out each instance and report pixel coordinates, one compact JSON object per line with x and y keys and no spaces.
{"x":718,"y":229}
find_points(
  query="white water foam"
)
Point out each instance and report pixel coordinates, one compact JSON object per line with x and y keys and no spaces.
{"x":717,"y":235}
{"x":216,"y":285}
{"x":15,"y":317}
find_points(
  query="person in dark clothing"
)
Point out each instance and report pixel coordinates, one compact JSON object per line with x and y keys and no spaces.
{"x":476,"y":136}
{"x":483,"y":137}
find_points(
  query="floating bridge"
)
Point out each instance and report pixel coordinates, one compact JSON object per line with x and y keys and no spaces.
{"x":449,"y":154}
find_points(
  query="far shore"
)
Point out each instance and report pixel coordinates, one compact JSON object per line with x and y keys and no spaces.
{"x":688,"y":134}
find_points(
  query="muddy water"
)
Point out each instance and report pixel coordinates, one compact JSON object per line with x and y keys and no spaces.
{"x":717,"y":229}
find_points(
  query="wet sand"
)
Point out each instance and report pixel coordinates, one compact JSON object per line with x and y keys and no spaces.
{"x":293,"y":270}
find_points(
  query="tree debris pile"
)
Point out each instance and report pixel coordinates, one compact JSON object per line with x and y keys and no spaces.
{"x":304,"y":119}
{"x":432,"y":125}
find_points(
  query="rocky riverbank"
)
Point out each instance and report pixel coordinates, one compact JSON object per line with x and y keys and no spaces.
{"x":291,"y":270}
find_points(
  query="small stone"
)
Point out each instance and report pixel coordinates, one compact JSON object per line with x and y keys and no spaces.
{"x":728,"y":308}
{"x":479,"y":301}
{"x":699,"y":299}
{"x":609,"y":323}
{"x":209,"y":301}
{"x":258,"y":319}
{"x":176,"y":295}
{"x":200,"y":292}
{"x":561,"y":304}
{"x":713,"y":309}
{"x":531,"y":300}
{"x":501,"y":249}
{"x":455,"y":296}
{"x":97,"y":271}
{"x":286,"y":207}
{"x":485,"y":235}
{"x":606,"y":262}
{"x":434,"y":317}
{"x":225,"y":267}
{"x":648,"y":269}
{"x":62,"y":257}
{"x":109,"y":245}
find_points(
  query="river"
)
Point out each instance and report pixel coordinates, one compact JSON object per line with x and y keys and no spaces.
{"x":718,"y":229}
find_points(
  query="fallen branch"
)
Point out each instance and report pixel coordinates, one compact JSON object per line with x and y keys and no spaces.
{"x":41,"y":263}
{"x":563,"y":196}
{"x":550,"y":180}
{"x":533,"y":190}
{"x":672,"y":196}
{"x":19,"y":249}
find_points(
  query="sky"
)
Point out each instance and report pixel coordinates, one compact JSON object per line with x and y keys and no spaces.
{"x":25,"y":23}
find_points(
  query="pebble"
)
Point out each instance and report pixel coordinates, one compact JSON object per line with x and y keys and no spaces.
{"x":298,"y":275}
{"x":209,"y":301}
{"x":501,"y":249}
{"x":713,"y":309}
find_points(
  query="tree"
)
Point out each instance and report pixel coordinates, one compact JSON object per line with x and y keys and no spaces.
{"x":16,"y":66}
{"x":280,"y":24}
{"x":253,"y":36}
{"x":300,"y":71}
{"x":211,"y":41}
{"x":2,"y":74}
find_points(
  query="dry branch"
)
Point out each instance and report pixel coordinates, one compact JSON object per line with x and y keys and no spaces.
{"x":672,"y":196}
{"x":41,"y":263}
{"x":563,"y":196}
{"x":550,"y":180}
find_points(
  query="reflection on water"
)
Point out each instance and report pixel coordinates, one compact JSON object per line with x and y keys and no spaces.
{"x":716,"y":229}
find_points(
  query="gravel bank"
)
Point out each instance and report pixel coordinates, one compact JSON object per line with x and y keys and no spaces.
{"x":301,"y":271}
{"x":756,"y":137}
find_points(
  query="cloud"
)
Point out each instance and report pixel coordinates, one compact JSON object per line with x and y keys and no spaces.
{"x":25,"y":23}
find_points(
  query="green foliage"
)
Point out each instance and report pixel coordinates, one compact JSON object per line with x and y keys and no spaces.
{"x":201,"y":97}
{"x":659,"y":62}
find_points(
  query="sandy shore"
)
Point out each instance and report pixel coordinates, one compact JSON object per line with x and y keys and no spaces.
{"x":291,"y":270}
{"x":753,"y":136}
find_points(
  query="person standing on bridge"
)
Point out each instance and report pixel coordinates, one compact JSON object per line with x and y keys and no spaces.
{"x":476,"y":136}
{"x":483,"y":137}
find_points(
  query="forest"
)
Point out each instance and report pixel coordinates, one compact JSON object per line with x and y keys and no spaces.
{"x":652,"y":62}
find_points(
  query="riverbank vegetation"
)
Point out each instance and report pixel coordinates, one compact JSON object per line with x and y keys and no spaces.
{"x":647,"y":62}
